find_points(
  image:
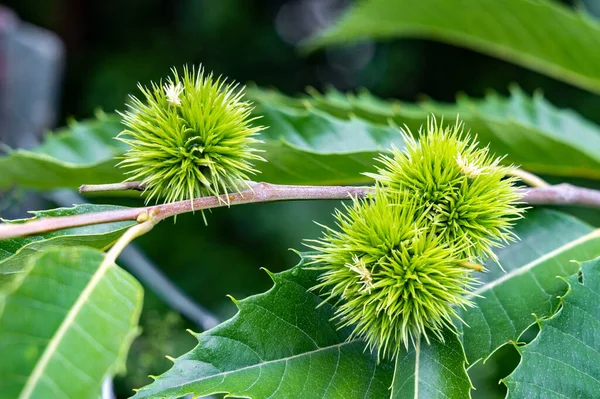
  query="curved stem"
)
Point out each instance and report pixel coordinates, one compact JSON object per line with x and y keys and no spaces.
{"x":150,"y":275}
{"x":131,"y":234}
{"x":528,"y":178}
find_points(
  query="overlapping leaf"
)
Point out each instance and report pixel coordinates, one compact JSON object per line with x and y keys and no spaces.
{"x":81,"y":153}
{"x":529,"y":130}
{"x":333,"y":138}
{"x":67,"y":325}
{"x":280,"y":344}
{"x":549,"y":242}
{"x":15,"y":252}
{"x":519,"y":31}
{"x":564,"y":359}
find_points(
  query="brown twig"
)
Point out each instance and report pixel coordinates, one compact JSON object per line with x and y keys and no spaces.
{"x":562,"y":194}
{"x":261,"y":192}
{"x":36,"y":226}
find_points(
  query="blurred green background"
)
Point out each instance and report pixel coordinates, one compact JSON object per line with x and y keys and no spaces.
{"x":113,"y":45}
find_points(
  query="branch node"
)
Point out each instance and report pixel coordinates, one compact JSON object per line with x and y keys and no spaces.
{"x":142,"y":217}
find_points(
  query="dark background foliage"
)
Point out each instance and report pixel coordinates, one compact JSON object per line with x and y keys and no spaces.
{"x":112,"y":45}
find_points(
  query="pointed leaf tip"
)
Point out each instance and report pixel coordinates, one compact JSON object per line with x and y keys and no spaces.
{"x":271,"y":275}
{"x":235,"y":301}
{"x":294,"y":250}
{"x":195,"y":334}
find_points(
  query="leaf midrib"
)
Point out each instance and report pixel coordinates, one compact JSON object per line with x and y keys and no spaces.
{"x":56,"y":339}
{"x":268,"y":362}
{"x":417,"y":358}
{"x":417,"y":352}
{"x":521,"y":270}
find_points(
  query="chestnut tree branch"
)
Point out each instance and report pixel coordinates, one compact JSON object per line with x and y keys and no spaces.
{"x":561,"y":194}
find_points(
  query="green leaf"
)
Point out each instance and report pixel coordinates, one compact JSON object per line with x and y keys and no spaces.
{"x":66,"y":326}
{"x":281,"y":344}
{"x":14,"y":252}
{"x":330,"y":158}
{"x":564,"y":359}
{"x":333,"y":138}
{"x":81,"y":153}
{"x":314,"y":147}
{"x":334,"y":135}
{"x":549,"y":241}
{"x":519,"y":31}
{"x":432,"y":371}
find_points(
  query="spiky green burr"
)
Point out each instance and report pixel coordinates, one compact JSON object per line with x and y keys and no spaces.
{"x":469,"y":199}
{"x":389,"y":276}
{"x":190,"y":137}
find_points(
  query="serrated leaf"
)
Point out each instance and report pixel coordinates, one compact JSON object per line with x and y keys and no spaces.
{"x":564,"y":359}
{"x":549,"y":242}
{"x":281,"y":345}
{"x":66,"y":326}
{"x":333,"y":138}
{"x":514,"y":30}
{"x":529,"y":130}
{"x":285,"y":332}
{"x":314,"y":147}
{"x":81,"y":153}
{"x":14,"y":252}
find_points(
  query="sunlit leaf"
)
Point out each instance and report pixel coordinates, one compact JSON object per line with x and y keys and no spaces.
{"x":66,"y":326}
{"x":281,"y":344}
{"x":542,"y":35}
